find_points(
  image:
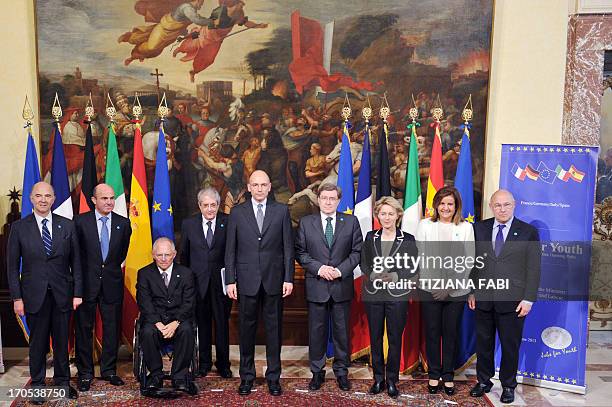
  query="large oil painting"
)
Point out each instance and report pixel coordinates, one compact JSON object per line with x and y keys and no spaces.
{"x":260,"y":84}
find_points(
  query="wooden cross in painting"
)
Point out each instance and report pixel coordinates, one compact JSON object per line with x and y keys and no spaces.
{"x":157,"y":74}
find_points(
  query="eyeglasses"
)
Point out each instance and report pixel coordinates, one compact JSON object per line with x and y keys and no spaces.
{"x":328,"y":198}
{"x":506,"y":205}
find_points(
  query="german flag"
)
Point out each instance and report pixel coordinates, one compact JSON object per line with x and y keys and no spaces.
{"x":531,"y":173}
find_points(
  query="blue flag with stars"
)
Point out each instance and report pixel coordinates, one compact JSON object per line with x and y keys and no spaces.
{"x":345,"y":176}
{"x":163,"y":225}
{"x":463,"y":183}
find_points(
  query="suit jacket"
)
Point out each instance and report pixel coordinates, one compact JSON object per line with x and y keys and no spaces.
{"x":160,"y":304}
{"x":404,"y":243}
{"x":253,"y":258}
{"x":97,"y":274}
{"x":61,"y":270}
{"x":312,"y":252}
{"x":195,"y":253}
{"x":519,"y":262}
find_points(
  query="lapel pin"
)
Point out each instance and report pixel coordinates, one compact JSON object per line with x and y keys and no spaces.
{"x":342,"y":219}
{"x":59,"y":226}
{"x":222,"y":225}
{"x":117,"y":227}
{"x":515,"y":234}
{"x":178,"y":275}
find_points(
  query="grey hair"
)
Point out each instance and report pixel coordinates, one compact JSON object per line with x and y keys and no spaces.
{"x":211,"y":193}
{"x":163,"y":239}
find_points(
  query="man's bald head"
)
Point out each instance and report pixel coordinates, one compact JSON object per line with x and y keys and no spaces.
{"x":259,"y":185}
{"x":42,"y":197}
{"x":103,"y":199}
{"x":502,"y":205}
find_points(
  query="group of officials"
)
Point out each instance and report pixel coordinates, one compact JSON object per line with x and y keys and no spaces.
{"x":56,"y":266}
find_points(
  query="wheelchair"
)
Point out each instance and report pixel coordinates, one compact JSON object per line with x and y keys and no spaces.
{"x":139,"y":367}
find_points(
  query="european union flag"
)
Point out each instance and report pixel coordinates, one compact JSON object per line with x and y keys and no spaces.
{"x":546,"y":174}
{"x":163,"y":225}
{"x":345,"y":176}
{"x":463,"y":183}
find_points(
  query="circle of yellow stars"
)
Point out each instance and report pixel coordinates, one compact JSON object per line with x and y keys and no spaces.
{"x":157,"y":207}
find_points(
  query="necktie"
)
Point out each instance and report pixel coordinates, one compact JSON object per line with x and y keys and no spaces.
{"x":209,"y":234}
{"x":329,"y":231}
{"x":165,"y":277}
{"x":499,"y":240}
{"x":46,"y":237}
{"x":104,"y":238}
{"x":260,"y":217}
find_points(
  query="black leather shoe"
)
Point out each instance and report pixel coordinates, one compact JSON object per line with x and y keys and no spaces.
{"x":72,"y":393}
{"x":245,"y":387}
{"x":433,"y":389}
{"x":154,"y":383}
{"x":392,"y":390}
{"x":203,"y":372}
{"x":274,"y":388}
{"x":114,"y":380}
{"x":507,"y":395}
{"x":480,"y":389}
{"x":180,"y":385}
{"x":343,"y":383}
{"x":377,"y":387}
{"x":84,"y":384}
{"x":317,"y":381}
{"x":449,"y":390}
{"x":226,"y":373}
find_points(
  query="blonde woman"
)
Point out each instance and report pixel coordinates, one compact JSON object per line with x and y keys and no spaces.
{"x":445,"y":234}
{"x":383,"y":302}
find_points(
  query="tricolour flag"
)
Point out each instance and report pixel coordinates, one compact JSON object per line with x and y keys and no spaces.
{"x":163,"y":225}
{"x":383,"y":179}
{"x":90,"y":177}
{"x":436,"y":174}
{"x":31,"y":175}
{"x":518,"y":172}
{"x":464,"y":184}
{"x":531,"y":173}
{"x":562,"y":174}
{"x":113,"y":173}
{"x":412,"y":193}
{"x":139,"y":252}
{"x":59,"y":178}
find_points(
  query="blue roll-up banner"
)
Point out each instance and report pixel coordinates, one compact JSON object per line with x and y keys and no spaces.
{"x":554,"y":188}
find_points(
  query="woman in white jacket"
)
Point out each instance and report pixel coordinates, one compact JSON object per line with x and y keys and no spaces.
{"x":445,"y":241}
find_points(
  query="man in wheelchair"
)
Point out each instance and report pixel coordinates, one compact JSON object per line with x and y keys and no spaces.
{"x":165,"y":294}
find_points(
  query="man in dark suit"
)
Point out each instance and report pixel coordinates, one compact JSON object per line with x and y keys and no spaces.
{"x":165,"y":293}
{"x":328,"y":246}
{"x":259,"y":268}
{"x":104,"y":238}
{"x":203,"y":251}
{"x":46,"y":247}
{"x":511,"y":250}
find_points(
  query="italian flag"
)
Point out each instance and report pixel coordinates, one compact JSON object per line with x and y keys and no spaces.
{"x":436,"y":175}
{"x":139,"y":252}
{"x":113,"y":173}
{"x":412,"y":192}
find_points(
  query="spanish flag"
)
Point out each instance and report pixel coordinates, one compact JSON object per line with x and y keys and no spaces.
{"x":575,"y":174}
{"x":139,"y":252}
{"x":436,"y":175}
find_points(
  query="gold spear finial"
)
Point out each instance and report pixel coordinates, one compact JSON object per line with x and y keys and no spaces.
{"x":89,"y":109}
{"x":27,"y":112}
{"x":346,"y":108}
{"x":384,"y":111}
{"x":110,"y":108}
{"x":56,"y":110}
{"x":366,"y":112}
{"x":437,"y":112}
{"x":163,"y":110}
{"x":468,"y":111}
{"x":414,"y":110}
{"x":137,"y":107}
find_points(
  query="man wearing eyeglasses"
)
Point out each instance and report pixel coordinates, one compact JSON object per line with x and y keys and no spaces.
{"x":165,"y":294}
{"x":203,"y":251}
{"x":511,"y":250}
{"x":259,"y":269}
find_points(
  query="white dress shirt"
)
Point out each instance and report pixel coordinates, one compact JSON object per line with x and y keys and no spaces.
{"x":505,"y":231}
{"x":168,"y":271}
{"x":263,"y":208}
{"x":99,"y":224}
{"x":212,"y":225}
{"x":39,"y":220}
{"x":324,"y":223}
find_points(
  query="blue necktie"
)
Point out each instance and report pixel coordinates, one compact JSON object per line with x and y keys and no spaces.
{"x":499,"y":240}
{"x":46,"y":237}
{"x":104,"y":238}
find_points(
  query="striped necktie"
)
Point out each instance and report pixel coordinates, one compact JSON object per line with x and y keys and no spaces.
{"x":329,"y":232}
{"x":46,"y":237}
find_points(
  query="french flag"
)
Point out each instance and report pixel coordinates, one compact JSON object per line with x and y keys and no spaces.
{"x":59,"y":178}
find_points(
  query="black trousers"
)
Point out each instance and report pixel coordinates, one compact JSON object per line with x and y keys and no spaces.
{"x":215,"y":305}
{"x":319,"y":314}
{"x":442,"y":322}
{"x":183,"y":343}
{"x":85,"y":317}
{"x":49,"y":320}
{"x":272,"y":312}
{"x":395,"y":313}
{"x":510,"y":331}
